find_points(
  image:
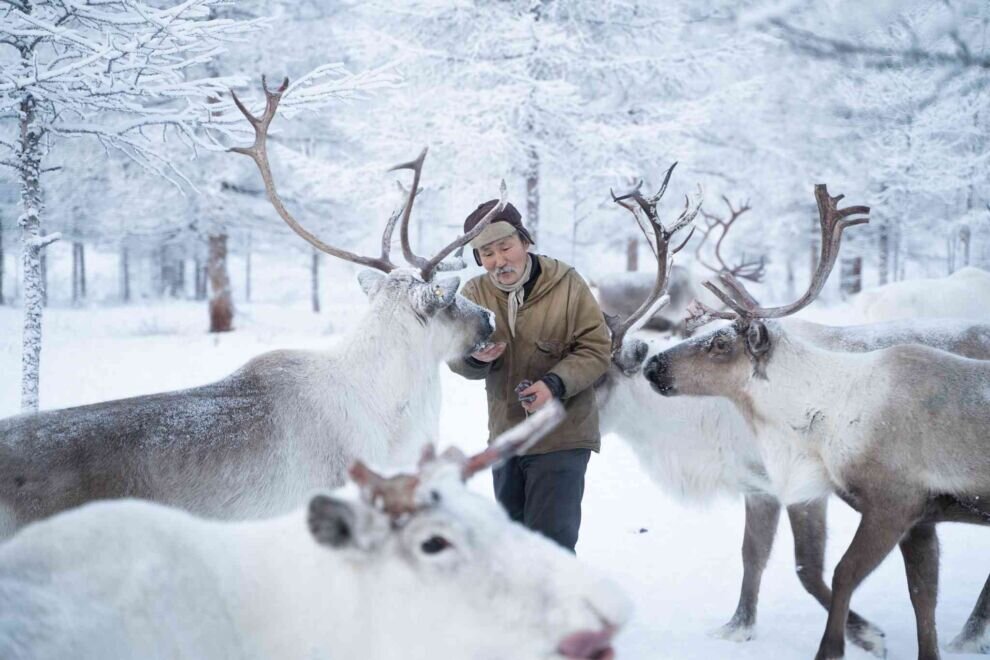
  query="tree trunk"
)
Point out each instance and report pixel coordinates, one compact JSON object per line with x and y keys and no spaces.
{"x":125,"y":274}
{"x":43,"y":258}
{"x":895,"y":254}
{"x":851,"y":276}
{"x":33,"y":245}
{"x":632,"y":254}
{"x":75,"y":272}
{"x":883,"y":253}
{"x":533,"y":192}
{"x":1,"y":261}
{"x":247,"y":269}
{"x":221,"y":303}
{"x":180,"y":277}
{"x":964,"y":236}
{"x":78,"y":273}
{"x":314,"y":272}
{"x":200,"y":276}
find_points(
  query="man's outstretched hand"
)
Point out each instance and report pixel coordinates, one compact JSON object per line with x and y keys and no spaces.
{"x":533,"y":397}
{"x":491,"y":353}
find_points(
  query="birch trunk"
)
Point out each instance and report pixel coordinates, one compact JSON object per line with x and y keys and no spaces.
{"x":33,"y":244}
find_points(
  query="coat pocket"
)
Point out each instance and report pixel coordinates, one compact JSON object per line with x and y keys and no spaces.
{"x":547,"y":354}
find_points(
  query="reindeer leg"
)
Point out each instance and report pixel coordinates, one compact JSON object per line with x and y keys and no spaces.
{"x":975,"y":635}
{"x":920,"y":550}
{"x":886,"y":517}
{"x":810,"y":532}
{"x":762,"y":516}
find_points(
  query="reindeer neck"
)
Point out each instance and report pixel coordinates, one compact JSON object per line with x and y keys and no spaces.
{"x":397,"y":350}
{"x":805,"y":385}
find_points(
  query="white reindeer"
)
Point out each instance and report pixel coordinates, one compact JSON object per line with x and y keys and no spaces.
{"x":964,"y":294}
{"x":418,"y":567}
{"x":699,"y":448}
{"x":900,"y":433}
{"x":254,"y":443}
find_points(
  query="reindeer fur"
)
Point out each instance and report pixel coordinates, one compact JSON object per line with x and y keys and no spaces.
{"x":254,"y":443}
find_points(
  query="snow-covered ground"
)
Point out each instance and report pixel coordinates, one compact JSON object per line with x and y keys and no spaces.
{"x":681,"y":565}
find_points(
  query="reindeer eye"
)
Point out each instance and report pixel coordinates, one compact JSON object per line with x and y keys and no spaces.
{"x":719,"y":344}
{"x":434,"y":544}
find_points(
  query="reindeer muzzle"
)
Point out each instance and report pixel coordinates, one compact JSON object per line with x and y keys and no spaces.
{"x":657,"y":371}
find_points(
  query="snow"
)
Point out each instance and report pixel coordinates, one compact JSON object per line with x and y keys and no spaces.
{"x":680,"y":564}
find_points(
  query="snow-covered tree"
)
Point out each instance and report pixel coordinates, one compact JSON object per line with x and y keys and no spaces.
{"x":126,"y":75}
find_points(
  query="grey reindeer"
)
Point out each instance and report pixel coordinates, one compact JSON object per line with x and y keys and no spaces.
{"x":901,"y":434}
{"x":255,"y":443}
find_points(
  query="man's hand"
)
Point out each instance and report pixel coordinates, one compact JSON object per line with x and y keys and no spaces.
{"x":491,"y":353}
{"x":539,"y":390}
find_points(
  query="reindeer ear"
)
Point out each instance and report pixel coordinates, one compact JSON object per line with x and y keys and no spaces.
{"x":757,"y":338}
{"x":332,"y":522}
{"x":370,"y":281}
{"x":446,"y":290}
{"x":437,"y":295}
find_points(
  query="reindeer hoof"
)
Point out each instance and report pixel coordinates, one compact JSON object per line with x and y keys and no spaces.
{"x":734,"y":632}
{"x":869,"y":638}
{"x":970,"y":644}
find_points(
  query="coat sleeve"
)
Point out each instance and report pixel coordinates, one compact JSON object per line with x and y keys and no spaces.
{"x":466,"y":366}
{"x":591,"y":345}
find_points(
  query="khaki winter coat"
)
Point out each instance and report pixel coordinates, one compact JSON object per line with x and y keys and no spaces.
{"x":559,"y":328}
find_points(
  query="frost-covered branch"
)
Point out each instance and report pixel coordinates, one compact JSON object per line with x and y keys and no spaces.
{"x":880,"y":57}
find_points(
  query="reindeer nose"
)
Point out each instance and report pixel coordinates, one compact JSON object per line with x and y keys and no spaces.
{"x":657,"y":371}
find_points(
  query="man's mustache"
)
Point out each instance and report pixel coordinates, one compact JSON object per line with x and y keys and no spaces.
{"x":502,"y":270}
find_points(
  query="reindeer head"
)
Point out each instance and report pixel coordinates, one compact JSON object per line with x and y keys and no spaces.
{"x":723,"y":361}
{"x":454,"y":325}
{"x":450,"y":558}
{"x":463,"y":326}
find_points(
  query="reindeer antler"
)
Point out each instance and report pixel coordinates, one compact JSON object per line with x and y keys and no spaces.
{"x":745,"y":307}
{"x":429,"y":266}
{"x":659,"y":241}
{"x":396,"y":496}
{"x":258,"y":152}
{"x":747,"y":270}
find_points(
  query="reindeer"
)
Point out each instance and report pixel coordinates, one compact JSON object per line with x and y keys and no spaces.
{"x":699,"y":448}
{"x":905,"y":452}
{"x":256,"y":441}
{"x":414,"y":566}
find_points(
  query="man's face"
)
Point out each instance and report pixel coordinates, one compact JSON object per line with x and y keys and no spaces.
{"x":506,"y":258}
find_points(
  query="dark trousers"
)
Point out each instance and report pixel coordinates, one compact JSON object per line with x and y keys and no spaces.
{"x":544,"y":492}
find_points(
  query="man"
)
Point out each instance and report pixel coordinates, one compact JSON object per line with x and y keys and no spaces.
{"x":550,"y":341}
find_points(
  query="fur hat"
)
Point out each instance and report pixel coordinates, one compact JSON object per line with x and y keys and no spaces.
{"x":497,"y":229}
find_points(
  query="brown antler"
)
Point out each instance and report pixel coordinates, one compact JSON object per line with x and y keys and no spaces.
{"x":429,"y":266}
{"x":516,"y":440}
{"x":745,"y":307}
{"x":747,"y":270}
{"x":396,"y":496}
{"x":259,"y":154}
{"x":659,"y":242}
